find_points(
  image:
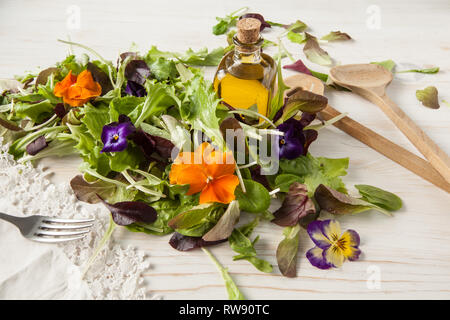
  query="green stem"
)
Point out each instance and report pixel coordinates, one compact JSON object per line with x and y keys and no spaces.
{"x":243,"y":9}
{"x":232,"y":289}
{"x":103,"y":241}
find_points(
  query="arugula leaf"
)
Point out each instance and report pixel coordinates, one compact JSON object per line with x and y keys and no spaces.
{"x":315,"y":171}
{"x":379,"y":197}
{"x":242,"y":245}
{"x":428,"y":97}
{"x":287,"y":251}
{"x":256,"y":199}
{"x":232,"y":289}
{"x":228,"y":21}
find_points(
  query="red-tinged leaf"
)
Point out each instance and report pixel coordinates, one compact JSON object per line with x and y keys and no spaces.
{"x":60,"y":110}
{"x":298,"y":66}
{"x":101,"y":77}
{"x":129,"y":212}
{"x":37,"y":145}
{"x":186,"y":243}
{"x":137,"y":71}
{"x":296,"y":206}
{"x":336,"y":36}
{"x":314,"y":52}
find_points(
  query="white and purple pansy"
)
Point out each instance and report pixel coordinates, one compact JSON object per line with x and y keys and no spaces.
{"x":332,"y":247}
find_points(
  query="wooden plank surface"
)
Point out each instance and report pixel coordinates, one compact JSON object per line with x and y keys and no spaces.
{"x":409,"y":253}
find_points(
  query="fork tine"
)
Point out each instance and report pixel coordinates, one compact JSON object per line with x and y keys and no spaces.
{"x":55,"y":240}
{"x":65,"y":226}
{"x":60,"y":233}
{"x":59,"y":220}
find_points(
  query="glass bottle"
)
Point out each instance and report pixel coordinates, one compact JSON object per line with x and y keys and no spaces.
{"x":246,"y":77}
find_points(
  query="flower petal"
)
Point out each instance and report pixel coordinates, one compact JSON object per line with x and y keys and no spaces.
{"x":315,"y":257}
{"x":331,"y":229}
{"x":219,"y":163}
{"x":86,"y":81}
{"x":193,"y":175}
{"x":220,"y":190}
{"x":350,"y":241}
{"x":62,"y":86}
{"x":334,"y":256}
{"x":316,"y":234}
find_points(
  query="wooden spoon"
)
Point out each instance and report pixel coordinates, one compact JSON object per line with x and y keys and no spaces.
{"x":370,"y":81}
{"x":387,"y":148}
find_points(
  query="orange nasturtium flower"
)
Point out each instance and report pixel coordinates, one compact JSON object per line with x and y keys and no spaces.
{"x":208,"y":171}
{"x":77,"y":90}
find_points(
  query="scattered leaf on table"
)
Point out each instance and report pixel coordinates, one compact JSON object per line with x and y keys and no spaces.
{"x":387,"y":64}
{"x":428,"y":97}
{"x":336,"y":202}
{"x":336,"y":36}
{"x":287,"y":252}
{"x":427,"y":71}
{"x":314,"y":52}
{"x":298,"y":66}
{"x":295,"y":206}
{"x":384,"y":199}
{"x":299,"y":38}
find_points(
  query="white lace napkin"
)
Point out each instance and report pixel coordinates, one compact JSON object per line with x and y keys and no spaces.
{"x":31,"y":270}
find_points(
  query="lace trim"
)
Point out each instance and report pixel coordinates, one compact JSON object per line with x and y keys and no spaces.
{"x":116,"y":273}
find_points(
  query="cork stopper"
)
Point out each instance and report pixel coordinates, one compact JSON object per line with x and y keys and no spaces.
{"x":248,"y":30}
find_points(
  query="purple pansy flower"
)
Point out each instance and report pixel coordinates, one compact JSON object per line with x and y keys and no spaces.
{"x":295,"y":141}
{"x":332,"y":247}
{"x":114,"y":135}
{"x":135,"y":89}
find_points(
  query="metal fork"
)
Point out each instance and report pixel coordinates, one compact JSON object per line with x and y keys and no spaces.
{"x":49,"y":229}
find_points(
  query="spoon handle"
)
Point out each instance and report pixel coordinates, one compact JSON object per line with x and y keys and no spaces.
{"x":435,"y":155}
{"x":387,"y":148}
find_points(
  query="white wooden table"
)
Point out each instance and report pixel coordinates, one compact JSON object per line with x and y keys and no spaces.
{"x":409,"y":253}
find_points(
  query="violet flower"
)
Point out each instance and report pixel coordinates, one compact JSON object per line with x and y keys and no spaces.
{"x":114,"y":135}
{"x":295,"y":141}
{"x":135,"y":89}
{"x":332,"y":247}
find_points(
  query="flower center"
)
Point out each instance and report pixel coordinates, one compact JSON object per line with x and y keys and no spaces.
{"x":282,"y":141}
{"x":115,"y":137}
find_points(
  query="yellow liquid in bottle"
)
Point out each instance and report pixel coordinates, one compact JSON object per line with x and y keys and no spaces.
{"x":243,"y":93}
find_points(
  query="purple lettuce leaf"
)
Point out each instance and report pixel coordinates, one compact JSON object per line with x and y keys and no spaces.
{"x":36,"y":145}
{"x":186,"y":243}
{"x":129,"y":212}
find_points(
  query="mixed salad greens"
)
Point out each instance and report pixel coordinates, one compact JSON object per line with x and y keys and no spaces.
{"x":135,"y":122}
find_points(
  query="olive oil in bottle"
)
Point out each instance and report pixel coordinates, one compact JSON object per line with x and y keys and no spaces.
{"x":246,"y":76}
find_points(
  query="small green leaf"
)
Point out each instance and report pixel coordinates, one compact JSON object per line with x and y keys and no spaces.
{"x":336,"y":36}
{"x":299,"y":38}
{"x":428,"y":97}
{"x":287,"y":251}
{"x":379,"y":197}
{"x":256,"y":199}
{"x":426,"y":71}
{"x":387,"y":64}
{"x":315,"y":53}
